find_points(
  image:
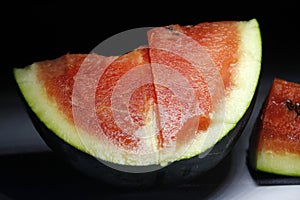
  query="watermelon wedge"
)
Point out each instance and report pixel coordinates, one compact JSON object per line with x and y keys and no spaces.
{"x":275,"y":143}
{"x":171,"y":100}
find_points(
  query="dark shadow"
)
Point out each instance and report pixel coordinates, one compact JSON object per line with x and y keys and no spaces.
{"x":46,"y":176}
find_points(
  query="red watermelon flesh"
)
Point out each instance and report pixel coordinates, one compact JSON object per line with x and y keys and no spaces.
{"x":224,"y":52}
{"x":280,"y":131}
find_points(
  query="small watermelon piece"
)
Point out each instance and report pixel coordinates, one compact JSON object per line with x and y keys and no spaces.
{"x":276,"y":140}
{"x":122,"y":109}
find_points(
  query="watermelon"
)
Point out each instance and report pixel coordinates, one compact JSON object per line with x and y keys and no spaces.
{"x":275,"y":143}
{"x":180,"y":102}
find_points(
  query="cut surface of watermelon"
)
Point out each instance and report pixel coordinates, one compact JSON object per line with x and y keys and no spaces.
{"x":278,"y":138}
{"x":171,"y":100}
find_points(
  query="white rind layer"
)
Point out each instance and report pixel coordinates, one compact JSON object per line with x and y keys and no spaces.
{"x":284,"y":163}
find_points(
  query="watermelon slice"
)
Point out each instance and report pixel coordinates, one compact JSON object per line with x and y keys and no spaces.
{"x":276,"y":140}
{"x":172,"y":100}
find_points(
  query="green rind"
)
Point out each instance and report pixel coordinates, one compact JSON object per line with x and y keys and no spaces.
{"x":283,"y":164}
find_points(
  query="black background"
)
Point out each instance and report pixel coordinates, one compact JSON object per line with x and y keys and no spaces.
{"x":33,"y":31}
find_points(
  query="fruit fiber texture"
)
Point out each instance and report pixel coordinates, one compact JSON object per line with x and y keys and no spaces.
{"x":171,"y":100}
{"x":276,"y":139}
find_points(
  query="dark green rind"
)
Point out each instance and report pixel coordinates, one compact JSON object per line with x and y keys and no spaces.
{"x":253,"y":140}
{"x":175,"y":173}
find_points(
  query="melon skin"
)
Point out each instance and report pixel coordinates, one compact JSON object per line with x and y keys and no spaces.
{"x":178,"y":172}
{"x":271,"y":160}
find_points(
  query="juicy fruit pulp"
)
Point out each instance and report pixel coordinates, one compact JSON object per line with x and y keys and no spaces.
{"x":278,"y":139}
{"x":169,"y":101}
